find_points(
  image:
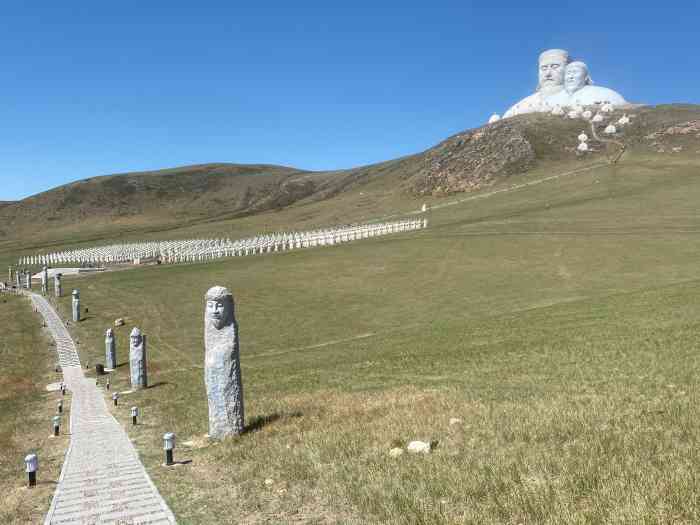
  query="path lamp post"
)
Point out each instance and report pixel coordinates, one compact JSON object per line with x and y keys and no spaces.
{"x":63,"y":388}
{"x":56,"y":425}
{"x":59,"y":406}
{"x":31,"y":463}
{"x":168,"y":446}
{"x":115,"y":398}
{"x":134,"y":415}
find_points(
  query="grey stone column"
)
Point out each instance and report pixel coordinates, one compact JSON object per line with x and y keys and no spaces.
{"x":137,"y":360}
{"x":76,"y":306}
{"x":57,"y":288}
{"x":222,"y":368}
{"x":45,"y":281}
{"x":110,"y":349}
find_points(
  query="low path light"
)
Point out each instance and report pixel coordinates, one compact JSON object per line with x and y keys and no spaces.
{"x":168,"y":446}
{"x":115,"y":398}
{"x":134,"y":414}
{"x":56,"y":425}
{"x":32,"y":465}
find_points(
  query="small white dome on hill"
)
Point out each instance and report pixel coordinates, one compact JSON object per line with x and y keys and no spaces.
{"x":494,"y":118}
{"x":611,"y":129}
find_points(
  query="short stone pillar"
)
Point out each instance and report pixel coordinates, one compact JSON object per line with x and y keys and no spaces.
{"x":45,"y":280}
{"x":110,"y":349}
{"x":222,"y":368}
{"x":76,"y":305}
{"x":137,"y":360}
{"x":57,"y":288}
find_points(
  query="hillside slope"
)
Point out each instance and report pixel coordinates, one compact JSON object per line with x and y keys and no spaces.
{"x":108,"y":206}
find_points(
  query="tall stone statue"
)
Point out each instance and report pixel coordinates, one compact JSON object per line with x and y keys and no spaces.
{"x":57,"y":288}
{"x":110,"y":350}
{"x":222,"y":368}
{"x":45,"y":281}
{"x":76,"y":305}
{"x":137,"y":359}
{"x":563,"y":84}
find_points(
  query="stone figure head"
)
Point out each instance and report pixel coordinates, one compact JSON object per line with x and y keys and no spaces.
{"x":576,"y":76}
{"x":136,"y":337}
{"x":552,"y":64}
{"x":109,"y":334}
{"x":76,"y":294}
{"x":219,"y":307}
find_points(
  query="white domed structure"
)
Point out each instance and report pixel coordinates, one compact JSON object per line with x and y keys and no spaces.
{"x":583,"y":147}
{"x":624,"y":119}
{"x":573,"y":114}
{"x":611,"y":129}
{"x":494,"y":118}
{"x":587,"y":114}
{"x":597,"y":118}
{"x":582,"y":137}
{"x":607,"y":108}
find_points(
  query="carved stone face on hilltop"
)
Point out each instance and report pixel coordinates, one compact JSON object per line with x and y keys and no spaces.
{"x":552,"y":65}
{"x":576,"y":77}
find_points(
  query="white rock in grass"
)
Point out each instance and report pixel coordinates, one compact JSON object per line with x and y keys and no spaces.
{"x":455,"y":421}
{"x":395,"y":452}
{"x":268,"y":482}
{"x":418,"y":447}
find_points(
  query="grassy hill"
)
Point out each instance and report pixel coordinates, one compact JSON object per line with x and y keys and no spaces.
{"x":135,"y":204}
{"x":553,"y":313}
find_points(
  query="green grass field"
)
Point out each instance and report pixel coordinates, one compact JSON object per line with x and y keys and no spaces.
{"x":26,"y":409}
{"x":558,"y":322}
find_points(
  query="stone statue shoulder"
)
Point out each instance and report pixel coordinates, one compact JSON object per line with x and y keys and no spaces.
{"x":591,"y":94}
{"x":529,"y":104}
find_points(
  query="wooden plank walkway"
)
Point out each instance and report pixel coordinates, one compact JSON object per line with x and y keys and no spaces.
{"x":102,"y":479}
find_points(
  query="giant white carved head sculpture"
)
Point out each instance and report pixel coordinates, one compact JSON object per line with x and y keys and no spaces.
{"x":576,"y":76}
{"x":552,"y":64}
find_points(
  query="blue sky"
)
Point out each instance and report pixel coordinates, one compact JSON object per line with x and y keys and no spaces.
{"x":91,"y":88}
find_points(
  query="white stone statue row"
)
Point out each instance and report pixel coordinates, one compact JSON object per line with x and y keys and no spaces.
{"x":198,"y":250}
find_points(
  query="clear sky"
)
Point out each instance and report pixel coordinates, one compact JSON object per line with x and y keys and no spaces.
{"x":92,"y":88}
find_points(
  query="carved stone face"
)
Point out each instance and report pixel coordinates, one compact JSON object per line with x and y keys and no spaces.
{"x":136,"y":338}
{"x":551,"y":72}
{"x":217,"y":312}
{"x":575,"y":78}
{"x":109,"y":333}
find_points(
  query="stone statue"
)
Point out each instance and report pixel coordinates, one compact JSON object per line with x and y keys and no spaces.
{"x":45,"y":281}
{"x":110,"y":350}
{"x":222,"y":369}
{"x":28,"y":277}
{"x":137,"y":360}
{"x":552,"y":65}
{"x":563,"y":84}
{"x":57,"y":288}
{"x":580,"y":91}
{"x":76,"y":305}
